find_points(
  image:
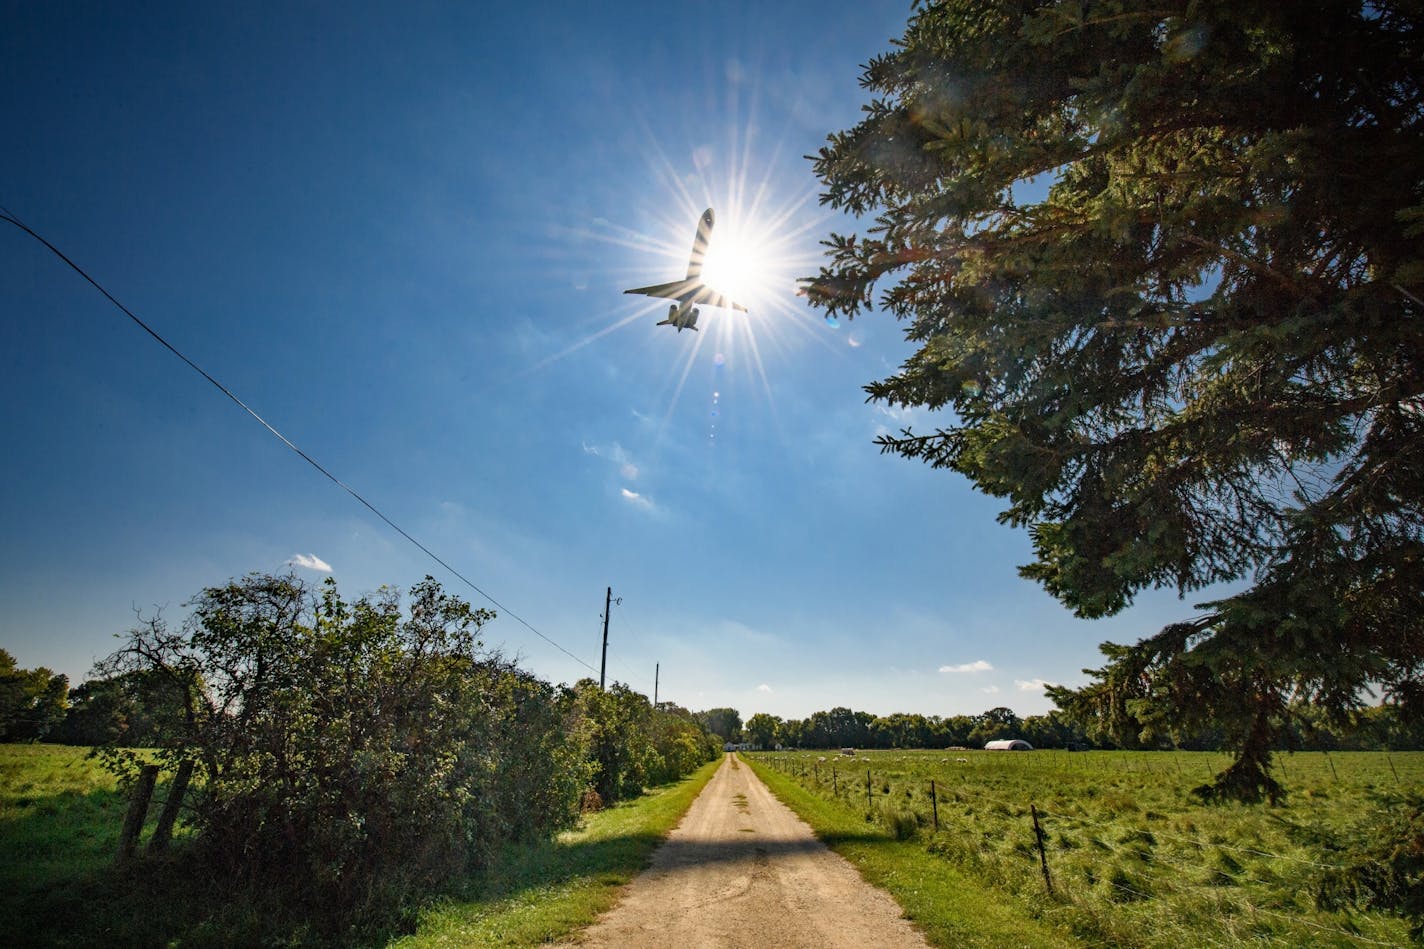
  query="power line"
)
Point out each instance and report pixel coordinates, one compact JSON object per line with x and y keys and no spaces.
{"x":6,"y":215}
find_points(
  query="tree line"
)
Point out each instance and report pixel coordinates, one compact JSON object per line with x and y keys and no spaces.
{"x":1377,"y":728}
{"x":349,"y":756}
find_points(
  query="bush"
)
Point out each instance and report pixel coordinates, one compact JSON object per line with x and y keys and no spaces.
{"x":348,"y":756}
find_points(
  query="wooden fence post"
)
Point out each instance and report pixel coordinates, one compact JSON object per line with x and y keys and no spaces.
{"x":138,"y":810}
{"x":934,"y":805}
{"x":867,"y":789}
{"x":1042,"y":854}
{"x":169,"y":815}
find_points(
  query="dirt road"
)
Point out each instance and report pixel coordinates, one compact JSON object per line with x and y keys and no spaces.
{"x":742,"y":870}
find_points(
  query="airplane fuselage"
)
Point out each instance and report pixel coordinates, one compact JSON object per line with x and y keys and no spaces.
{"x":690,"y":293}
{"x":683,"y":315}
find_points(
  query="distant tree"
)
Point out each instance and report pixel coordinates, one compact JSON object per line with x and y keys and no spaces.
{"x":1200,"y":356}
{"x":996,"y":723}
{"x":680,"y":743}
{"x":139,"y":708}
{"x":32,"y":701}
{"x":763,"y":730}
{"x":1054,"y":730}
{"x":725,"y":722}
{"x":957,"y":729}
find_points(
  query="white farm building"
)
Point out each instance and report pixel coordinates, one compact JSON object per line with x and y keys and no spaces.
{"x":1008,"y":744}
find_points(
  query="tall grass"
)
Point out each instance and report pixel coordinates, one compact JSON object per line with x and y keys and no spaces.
{"x":1135,"y":859}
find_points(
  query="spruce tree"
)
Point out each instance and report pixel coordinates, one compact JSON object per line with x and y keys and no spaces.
{"x":1164,"y":270}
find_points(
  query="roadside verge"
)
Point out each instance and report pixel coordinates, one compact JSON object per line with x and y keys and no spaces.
{"x":539,"y":893}
{"x":949,"y":907}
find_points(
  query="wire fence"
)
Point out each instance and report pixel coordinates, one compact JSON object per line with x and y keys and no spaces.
{"x":1126,"y":863}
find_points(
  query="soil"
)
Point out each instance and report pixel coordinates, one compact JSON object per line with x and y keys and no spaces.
{"x":742,"y":870}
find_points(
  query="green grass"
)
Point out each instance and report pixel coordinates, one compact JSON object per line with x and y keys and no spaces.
{"x":1135,"y":859}
{"x":540,"y":893}
{"x":60,"y":817}
{"x":947,"y":904}
{"x":60,"y":814}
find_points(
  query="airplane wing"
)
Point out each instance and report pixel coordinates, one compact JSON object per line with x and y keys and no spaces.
{"x":690,"y":291}
{"x":669,"y":291}
{"x":706,"y":296}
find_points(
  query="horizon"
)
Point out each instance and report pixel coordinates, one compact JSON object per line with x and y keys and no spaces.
{"x":403,"y":240}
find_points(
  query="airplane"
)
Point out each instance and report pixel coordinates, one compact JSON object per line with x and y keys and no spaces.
{"x":690,"y":291}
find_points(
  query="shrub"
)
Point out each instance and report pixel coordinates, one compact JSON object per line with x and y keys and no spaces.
{"x":348,"y":755}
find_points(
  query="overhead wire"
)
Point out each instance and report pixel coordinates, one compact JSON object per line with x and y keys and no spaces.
{"x":12,"y":218}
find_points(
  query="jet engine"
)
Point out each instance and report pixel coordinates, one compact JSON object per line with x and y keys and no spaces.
{"x":672,"y":310}
{"x":692,"y":318}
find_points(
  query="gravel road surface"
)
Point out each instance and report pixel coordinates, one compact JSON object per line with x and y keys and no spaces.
{"x":742,"y":870}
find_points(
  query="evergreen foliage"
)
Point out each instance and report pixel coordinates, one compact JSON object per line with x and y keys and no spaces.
{"x":1196,"y":358}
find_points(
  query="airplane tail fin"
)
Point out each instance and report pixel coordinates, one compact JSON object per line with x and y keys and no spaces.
{"x":699,"y":245}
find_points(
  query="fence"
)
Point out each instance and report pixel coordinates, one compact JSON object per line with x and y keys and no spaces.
{"x":1097,"y":839}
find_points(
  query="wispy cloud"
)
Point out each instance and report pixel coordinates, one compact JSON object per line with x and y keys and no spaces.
{"x":310,"y":562}
{"x":616,"y":454}
{"x":638,"y":500}
{"x":990,"y":690}
{"x":978,"y":665}
{"x":764,"y":688}
{"x":1030,"y":685}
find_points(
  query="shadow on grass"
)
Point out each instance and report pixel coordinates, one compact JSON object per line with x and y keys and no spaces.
{"x":60,"y":886}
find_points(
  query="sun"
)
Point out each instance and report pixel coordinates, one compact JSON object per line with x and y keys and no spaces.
{"x":744,"y":263}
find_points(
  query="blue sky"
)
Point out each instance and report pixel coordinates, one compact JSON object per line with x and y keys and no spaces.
{"x":400,"y":233}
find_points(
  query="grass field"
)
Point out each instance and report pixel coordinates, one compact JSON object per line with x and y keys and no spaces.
{"x":1133,"y":858}
{"x":538,"y":894}
{"x":60,"y":817}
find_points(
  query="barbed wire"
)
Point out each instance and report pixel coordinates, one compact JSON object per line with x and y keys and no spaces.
{"x":1167,"y":884}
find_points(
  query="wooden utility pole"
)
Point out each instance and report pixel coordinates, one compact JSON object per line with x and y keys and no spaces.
{"x":607,"y":608}
{"x":657,"y":667}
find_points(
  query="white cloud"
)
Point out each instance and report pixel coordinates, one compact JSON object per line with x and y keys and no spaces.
{"x":1030,"y":685}
{"x":990,"y":690}
{"x":310,"y":562}
{"x":978,"y":665}
{"x":764,"y":688}
{"x":636,"y":499}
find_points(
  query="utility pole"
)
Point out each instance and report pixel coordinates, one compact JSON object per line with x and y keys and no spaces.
{"x":607,"y":608}
{"x":657,"y":667}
